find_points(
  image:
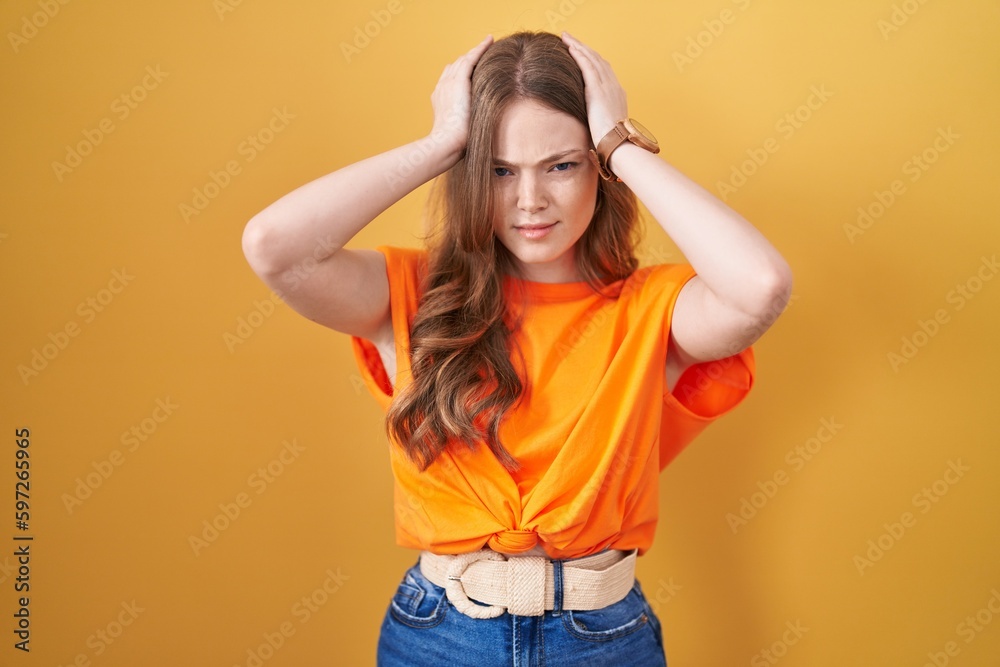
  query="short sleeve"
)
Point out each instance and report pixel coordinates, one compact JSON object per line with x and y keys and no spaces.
{"x":704,"y":392}
{"x":404,"y":270}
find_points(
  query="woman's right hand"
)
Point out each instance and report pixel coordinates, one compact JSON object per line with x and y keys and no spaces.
{"x":344,"y":288}
{"x":452,"y":100}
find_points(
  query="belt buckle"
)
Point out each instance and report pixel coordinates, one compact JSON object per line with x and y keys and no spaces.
{"x":456,"y":592}
{"x":524,"y":584}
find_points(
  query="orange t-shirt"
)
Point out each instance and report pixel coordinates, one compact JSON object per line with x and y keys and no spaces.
{"x":592,"y":434}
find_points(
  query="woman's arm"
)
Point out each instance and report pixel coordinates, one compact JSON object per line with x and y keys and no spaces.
{"x":743,"y":283}
{"x":296,"y":245}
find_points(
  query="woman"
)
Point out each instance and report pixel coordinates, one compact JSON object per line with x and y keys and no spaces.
{"x":536,"y":381}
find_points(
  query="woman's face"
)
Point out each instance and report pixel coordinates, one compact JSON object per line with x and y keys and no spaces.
{"x":545,"y":189}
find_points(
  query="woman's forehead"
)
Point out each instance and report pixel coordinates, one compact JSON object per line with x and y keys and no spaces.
{"x":528,"y":132}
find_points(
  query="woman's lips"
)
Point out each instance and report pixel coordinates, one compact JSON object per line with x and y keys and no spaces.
{"x":536,"y":231}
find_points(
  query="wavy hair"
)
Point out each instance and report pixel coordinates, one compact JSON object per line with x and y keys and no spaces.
{"x":463,"y":378}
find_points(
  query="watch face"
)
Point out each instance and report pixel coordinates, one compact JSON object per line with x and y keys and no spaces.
{"x":641,"y":129}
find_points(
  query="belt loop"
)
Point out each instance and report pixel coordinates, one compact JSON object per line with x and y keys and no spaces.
{"x":557,"y":580}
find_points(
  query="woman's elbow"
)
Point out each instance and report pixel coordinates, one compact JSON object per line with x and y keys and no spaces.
{"x":777,"y":291}
{"x":254,"y":244}
{"x":780,"y":281}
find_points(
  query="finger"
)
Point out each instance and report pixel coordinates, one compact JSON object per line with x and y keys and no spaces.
{"x":484,"y":44}
{"x":591,"y":73}
{"x":586,"y":58}
{"x":573,"y":43}
{"x":601,"y":66}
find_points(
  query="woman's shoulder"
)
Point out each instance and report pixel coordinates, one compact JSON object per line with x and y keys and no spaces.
{"x":656,"y":279}
{"x":403,"y":254}
{"x":401,"y":260}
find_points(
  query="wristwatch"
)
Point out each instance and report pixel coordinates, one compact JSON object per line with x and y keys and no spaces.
{"x":624,"y":130}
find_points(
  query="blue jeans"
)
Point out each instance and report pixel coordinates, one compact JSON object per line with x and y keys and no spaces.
{"x":422,"y":627}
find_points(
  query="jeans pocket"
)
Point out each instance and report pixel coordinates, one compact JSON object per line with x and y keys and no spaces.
{"x":612,"y":622}
{"x":418,"y":602}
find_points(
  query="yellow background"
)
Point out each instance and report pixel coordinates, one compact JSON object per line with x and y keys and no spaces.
{"x":895,"y":74}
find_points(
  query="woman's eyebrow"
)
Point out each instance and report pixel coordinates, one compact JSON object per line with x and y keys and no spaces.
{"x":552,"y":158}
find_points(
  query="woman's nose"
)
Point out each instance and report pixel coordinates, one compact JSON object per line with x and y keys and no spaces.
{"x":531,"y":195}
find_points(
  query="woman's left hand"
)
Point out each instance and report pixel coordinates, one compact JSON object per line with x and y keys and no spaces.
{"x":606,"y":104}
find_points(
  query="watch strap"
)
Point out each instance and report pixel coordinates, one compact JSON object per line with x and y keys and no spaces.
{"x":612,"y":140}
{"x":620,"y":133}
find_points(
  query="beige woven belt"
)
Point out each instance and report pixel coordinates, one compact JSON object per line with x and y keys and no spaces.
{"x":524,"y":585}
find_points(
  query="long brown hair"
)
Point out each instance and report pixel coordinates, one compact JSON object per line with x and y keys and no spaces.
{"x":463,"y":379}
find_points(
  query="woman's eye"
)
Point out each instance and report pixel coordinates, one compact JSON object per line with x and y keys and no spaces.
{"x":564,"y":166}
{"x":501,"y":171}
